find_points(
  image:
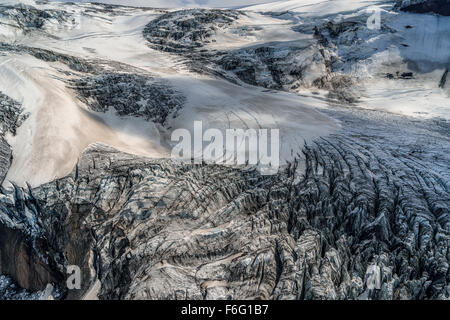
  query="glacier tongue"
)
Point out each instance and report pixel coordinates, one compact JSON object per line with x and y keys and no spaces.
{"x":89,"y":96}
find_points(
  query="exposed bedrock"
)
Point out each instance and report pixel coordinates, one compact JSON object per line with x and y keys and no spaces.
{"x":443,"y":80}
{"x":21,"y":259}
{"x":156,"y":229}
{"x":441,"y":7}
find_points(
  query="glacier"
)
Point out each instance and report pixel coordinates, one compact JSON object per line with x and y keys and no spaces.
{"x":89,"y":96}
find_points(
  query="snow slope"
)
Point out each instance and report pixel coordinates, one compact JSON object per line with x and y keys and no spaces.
{"x":406,"y":42}
{"x":60,"y":126}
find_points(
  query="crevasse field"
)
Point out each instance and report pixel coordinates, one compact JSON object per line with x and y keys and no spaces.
{"x":89,"y":97}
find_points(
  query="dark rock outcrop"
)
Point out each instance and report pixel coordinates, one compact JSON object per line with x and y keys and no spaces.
{"x":22,"y":260}
{"x":441,"y":7}
{"x":9,"y":290}
{"x":443,"y":80}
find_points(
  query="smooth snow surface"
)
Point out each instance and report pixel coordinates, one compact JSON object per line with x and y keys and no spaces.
{"x":314,"y":7}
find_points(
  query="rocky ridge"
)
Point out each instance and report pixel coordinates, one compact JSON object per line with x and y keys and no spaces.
{"x":441,"y":7}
